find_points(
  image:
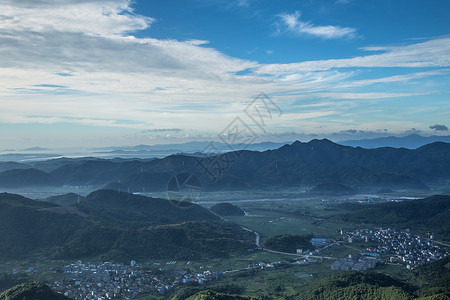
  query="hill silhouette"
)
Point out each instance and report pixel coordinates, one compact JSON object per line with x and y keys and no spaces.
{"x":308,"y":164}
{"x":411,"y":141}
{"x":25,"y":177}
{"x":115,"y":226}
{"x":65,"y":199}
{"x":31,"y":291}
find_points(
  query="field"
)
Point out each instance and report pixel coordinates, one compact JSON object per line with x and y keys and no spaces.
{"x":268,"y":213}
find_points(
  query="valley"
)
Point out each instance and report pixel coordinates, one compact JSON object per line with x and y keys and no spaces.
{"x":278,"y":213}
{"x":274,"y":225}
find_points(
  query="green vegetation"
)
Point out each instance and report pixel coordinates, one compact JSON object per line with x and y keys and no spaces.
{"x":227,"y":209}
{"x":7,"y":281}
{"x":431,"y":213}
{"x":118,"y":226}
{"x":66,"y":199}
{"x":358,"y":285}
{"x":211,"y":295}
{"x":433,"y":278}
{"x":126,"y":210}
{"x":31,"y":291}
{"x":289,"y":243}
{"x":194,"y":289}
{"x":25,"y":177}
{"x":432,"y":281}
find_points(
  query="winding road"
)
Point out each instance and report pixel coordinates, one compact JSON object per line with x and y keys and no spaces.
{"x":257,"y":243}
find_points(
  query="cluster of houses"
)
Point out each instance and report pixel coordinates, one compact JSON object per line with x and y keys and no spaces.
{"x":401,"y":246}
{"x":366,"y":261}
{"x":107,"y":280}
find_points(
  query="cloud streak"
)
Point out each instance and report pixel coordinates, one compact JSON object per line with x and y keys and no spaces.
{"x":433,"y":53}
{"x":78,"y":62}
{"x":293,"y":23}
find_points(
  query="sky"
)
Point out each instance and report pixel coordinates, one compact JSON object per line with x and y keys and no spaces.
{"x":94,"y":73}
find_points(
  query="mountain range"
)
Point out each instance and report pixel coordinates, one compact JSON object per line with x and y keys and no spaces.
{"x":411,"y":141}
{"x":298,"y":164}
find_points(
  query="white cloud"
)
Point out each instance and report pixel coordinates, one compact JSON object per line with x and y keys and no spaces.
{"x":397,"y":78}
{"x":96,"y":17}
{"x":433,"y":53}
{"x":343,"y":1}
{"x":296,"y":25}
{"x":119,"y":80}
{"x":243,"y":3}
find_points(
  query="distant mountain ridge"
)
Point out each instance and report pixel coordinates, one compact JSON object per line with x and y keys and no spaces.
{"x":318,"y":162}
{"x":411,"y":141}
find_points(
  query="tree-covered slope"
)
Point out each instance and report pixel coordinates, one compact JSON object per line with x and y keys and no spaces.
{"x":136,"y":211}
{"x":65,"y":199}
{"x":31,"y":291}
{"x":117,"y":227}
{"x":211,"y":295}
{"x":289,"y":243}
{"x":368,"y":286}
{"x":431,"y":213}
{"x":227,"y":209}
{"x":25,"y":177}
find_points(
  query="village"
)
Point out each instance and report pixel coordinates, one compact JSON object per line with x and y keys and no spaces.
{"x":400,"y":246}
{"x":108,"y":280}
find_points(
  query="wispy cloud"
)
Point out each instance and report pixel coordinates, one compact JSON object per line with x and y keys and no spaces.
{"x":163,"y":130}
{"x":433,"y":53}
{"x":104,"y":17}
{"x":293,"y":23}
{"x":343,"y":1}
{"x":397,"y":78}
{"x":80,"y":62}
{"x":243,"y":3}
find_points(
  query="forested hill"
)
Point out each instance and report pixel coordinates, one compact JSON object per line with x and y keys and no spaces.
{"x":312,"y":163}
{"x":431,"y":281}
{"x":137,"y":211}
{"x":31,"y":291}
{"x":115,"y":226}
{"x":422,"y":214}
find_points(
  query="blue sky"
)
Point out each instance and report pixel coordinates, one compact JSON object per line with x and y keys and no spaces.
{"x":101,"y":73}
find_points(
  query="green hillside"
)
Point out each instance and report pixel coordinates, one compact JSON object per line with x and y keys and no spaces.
{"x":358,"y":285}
{"x":26,"y":228}
{"x":114,"y":226}
{"x":66,"y":199}
{"x":31,"y":291}
{"x":430,"y":281}
{"x":288,"y":243}
{"x":227,"y":209}
{"x":25,"y":177}
{"x":136,"y":211}
{"x":190,"y":240}
{"x":211,"y":295}
{"x":431,"y":213}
